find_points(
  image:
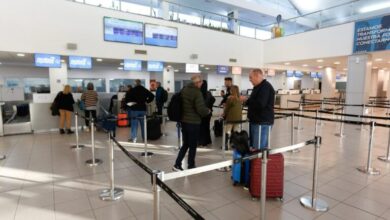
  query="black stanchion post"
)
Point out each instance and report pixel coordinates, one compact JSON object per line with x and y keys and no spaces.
{"x":94,"y":161}
{"x":368,"y":169}
{"x":224,"y":169}
{"x":112,"y":193}
{"x":164,"y":133}
{"x":263,"y":190}
{"x":386,"y":158}
{"x":76,"y":123}
{"x":292,"y":133}
{"x":312,"y":202}
{"x":146,"y":153}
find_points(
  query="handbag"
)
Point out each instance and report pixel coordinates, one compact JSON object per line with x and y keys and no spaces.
{"x":81,"y":105}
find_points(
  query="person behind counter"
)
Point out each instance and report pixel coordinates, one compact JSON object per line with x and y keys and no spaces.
{"x":65,"y":105}
{"x":90,"y":98}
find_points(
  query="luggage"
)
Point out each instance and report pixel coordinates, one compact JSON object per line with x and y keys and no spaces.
{"x":122,"y":120}
{"x":175,"y":108}
{"x":153,"y":129}
{"x":240,"y":171}
{"x":275,"y":176}
{"x":218,"y":127}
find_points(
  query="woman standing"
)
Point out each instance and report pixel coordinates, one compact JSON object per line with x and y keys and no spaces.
{"x":204,"y":136}
{"x":65,"y":105}
{"x":90,"y":98}
{"x":232,"y":111}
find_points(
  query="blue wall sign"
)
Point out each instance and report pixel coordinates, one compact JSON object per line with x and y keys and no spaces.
{"x":132,"y":65}
{"x":155,"y":66}
{"x":222,"y":70}
{"x":47,"y":60}
{"x":77,"y":62}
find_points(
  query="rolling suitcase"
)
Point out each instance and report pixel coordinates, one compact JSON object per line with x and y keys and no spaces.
{"x":153,"y":128}
{"x":240,"y":171}
{"x":122,"y":120}
{"x":218,"y":127}
{"x":275,"y":176}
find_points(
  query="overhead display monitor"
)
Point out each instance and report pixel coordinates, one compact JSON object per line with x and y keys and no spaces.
{"x":155,"y":66}
{"x":192,"y":68}
{"x":338,"y":76}
{"x":47,"y":60}
{"x":319,"y":75}
{"x":78,"y":62}
{"x":132,"y":65}
{"x":236,"y":70}
{"x":222,"y":70}
{"x":290,"y":73}
{"x":119,"y":30}
{"x":298,"y":74}
{"x":313,"y":74}
{"x":163,"y":36}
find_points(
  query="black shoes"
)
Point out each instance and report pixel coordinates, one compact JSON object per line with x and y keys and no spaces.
{"x":62,"y":131}
{"x":68,"y":131}
{"x":177,"y":168}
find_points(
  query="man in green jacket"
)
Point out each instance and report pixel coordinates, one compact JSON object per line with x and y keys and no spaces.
{"x":193,"y":109}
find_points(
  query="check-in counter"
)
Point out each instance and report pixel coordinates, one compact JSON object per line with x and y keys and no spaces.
{"x":282,"y":100}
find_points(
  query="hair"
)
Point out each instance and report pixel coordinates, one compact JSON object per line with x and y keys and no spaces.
{"x":158,"y":83}
{"x":258,"y":71}
{"x":235,"y":91}
{"x":196,"y":78}
{"x":129,"y":87}
{"x":228,"y":79}
{"x":90,"y":86}
{"x":137,"y":82}
{"x":67,"y":89}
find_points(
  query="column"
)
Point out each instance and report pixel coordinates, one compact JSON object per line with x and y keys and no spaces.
{"x":58,"y":78}
{"x":358,"y":82}
{"x":168,"y":81}
{"x":374,"y":83}
{"x":383,"y":78}
{"x":328,"y":89}
{"x":386,"y":84}
{"x":164,"y":10}
{"x":237,"y":80}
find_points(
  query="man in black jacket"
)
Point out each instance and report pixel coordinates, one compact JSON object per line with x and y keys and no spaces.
{"x":136,"y":99}
{"x":260,"y":109}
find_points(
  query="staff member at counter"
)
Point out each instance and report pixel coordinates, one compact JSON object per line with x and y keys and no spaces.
{"x":65,"y":103}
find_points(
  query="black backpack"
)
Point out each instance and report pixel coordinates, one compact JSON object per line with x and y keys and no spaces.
{"x":175,"y":108}
{"x":240,"y":141}
{"x":164,"y":96}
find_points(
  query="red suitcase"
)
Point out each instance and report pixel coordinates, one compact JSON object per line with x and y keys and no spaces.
{"x":122,"y":120}
{"x":275,"y":176}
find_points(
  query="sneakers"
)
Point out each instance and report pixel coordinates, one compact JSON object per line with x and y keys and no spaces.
{"x":177,"y":168}
{"x":134,"y":140}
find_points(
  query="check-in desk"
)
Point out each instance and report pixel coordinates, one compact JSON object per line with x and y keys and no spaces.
{"x":282,"y":97}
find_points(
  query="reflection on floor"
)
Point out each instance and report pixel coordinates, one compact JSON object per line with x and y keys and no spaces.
{"x":43,"y":179}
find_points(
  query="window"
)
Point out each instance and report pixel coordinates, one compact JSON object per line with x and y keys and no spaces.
{"x":13,"y":82}
{"x":247,"y":31}
{"x":116,"y":84}
{"x":36,"y":85}
{"x":80,"y":85}
{"x":263,"y":35}
{"x":135,"y":8}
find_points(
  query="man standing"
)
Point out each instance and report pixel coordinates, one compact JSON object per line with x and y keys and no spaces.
{"x":228,"y":85}
{"x":161,"y":98}
{"x":260,"y":108}
{"x":193,"y":109}
{"x":136,"y":99}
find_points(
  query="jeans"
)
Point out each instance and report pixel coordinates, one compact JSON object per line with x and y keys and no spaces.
{"x":134,"y":123}
{"x":190,"y":141}
{"x":263,"y":137}
{"x":93,"y":113}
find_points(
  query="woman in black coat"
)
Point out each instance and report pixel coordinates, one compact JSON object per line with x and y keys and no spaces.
{"x":205,"y":136}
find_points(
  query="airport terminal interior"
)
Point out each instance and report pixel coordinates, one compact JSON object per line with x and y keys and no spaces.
{"x":324,"y":156}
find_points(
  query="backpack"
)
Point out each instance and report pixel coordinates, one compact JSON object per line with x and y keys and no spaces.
{"x":164,"y":96}
{"x":240,"y":141}
{"x":175,"y":108}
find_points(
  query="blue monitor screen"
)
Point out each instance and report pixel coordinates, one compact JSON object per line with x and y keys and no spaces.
{"x":222,"y":70}
{"x":132,"y":65}
{"x":290,"y":73}
{"x":319,"y":75}
{"x":162,"y":36}
{"x":47,"y":60}
{"x":313,"y":75}
{"x":77,"y":62}
{"x":338,"y":76}
{"x":298,"y":74}
{"x":155,"y":66}
{"x":125,"y":31}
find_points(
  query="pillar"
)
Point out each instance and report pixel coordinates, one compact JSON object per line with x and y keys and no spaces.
{"x":58,"y":78}
{"x":374,"y":83}
{"x":382,"y":83}
{"x":237,"y":80}
{"x":328,"y":89}
{"x":168,"y":81}
{"x":358,"y":82}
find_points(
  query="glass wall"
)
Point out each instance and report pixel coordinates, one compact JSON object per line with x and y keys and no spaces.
{"x":80,"y":85}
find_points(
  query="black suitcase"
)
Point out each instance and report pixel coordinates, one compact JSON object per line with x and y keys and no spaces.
{"x":218,"y":127}
{"x":154,"y":128}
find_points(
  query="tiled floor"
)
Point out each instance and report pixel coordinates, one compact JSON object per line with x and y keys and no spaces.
{"x":43,"y":179}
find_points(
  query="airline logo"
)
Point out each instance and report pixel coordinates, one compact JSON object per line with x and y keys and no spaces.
{"x":47,"y":60}
{"x":78,"y":62}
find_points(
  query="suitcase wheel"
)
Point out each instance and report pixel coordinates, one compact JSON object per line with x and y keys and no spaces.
{"x":281,"y":199}
{"x":255,"y":198}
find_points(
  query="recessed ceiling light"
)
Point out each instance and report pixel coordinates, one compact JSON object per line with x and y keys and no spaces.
{"x":320,"y":61}
{"x":336,"y":63}
{"x":375,"y":67}
{"x":320,"y":67}
{"x":62,"y":61}
{"x":176,"y":71}
{"x":120,"y":68}
{"x":169,"y":66}
{"x":20,"y":54}
{"x":378,"y":59}
{"x":287,"y":63}
{"x":304,"y":65}
{"x":207,"y":68}
{"x":121,"y":64}
{"x":99,"y":59}
{"x":201,"y":65}
{"x":345,"y":69}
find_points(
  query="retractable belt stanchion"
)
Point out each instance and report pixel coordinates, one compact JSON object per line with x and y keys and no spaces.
{"x":76,"y":123}
{"x":369,"y":169}
{"x":156,"y":194}
{"x":179,"y":136}
{"x":263,"y":190}
{"x":164,"y":133}
{"x":112,"y":193}
{"x":386,"y":158}
{"x":322,"y":108}
{"x":363,"y":120}
{"x":146,"y":153}
{"x":312,"y":202}
{"x":292,"y":133}
{"x":224,"y":169}
{"x":298,"y":127}
{"x":316,"y":124}
{"x":341,"y":131}
{"x":93,"y":162}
